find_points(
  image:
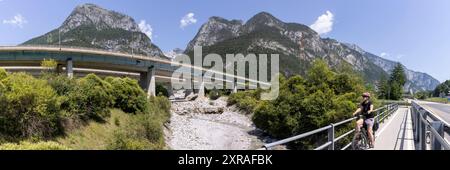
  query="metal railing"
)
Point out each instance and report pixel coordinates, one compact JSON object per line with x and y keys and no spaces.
{"x":381,"y":114}
{"x":425,"y":123}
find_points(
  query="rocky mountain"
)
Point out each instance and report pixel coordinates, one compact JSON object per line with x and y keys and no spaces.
{"x":174,"y":53}
{"x":417,"y":81}
{"x":297,"y":44}
{"x":215,"y":30}
{"x":92,"y":26}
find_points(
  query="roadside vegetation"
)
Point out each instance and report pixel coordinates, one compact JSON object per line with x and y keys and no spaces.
{"x":437,"y":100}
{"x":322,"y":97}
{"x":440,"y":94}
{"x":56,"y":112}
{"x":442,"y":89}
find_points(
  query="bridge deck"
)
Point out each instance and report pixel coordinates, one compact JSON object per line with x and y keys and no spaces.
{"x":396,"y":133}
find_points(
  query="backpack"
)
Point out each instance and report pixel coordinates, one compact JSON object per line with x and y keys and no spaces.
{"x":376,"y":125}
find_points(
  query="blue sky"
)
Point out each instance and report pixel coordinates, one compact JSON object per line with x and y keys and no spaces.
{"x":414,"y":32}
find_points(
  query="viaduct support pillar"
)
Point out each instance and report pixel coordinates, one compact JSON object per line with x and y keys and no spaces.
{"x":59,"y":68}
{"x":201,"y":90}
{"x":69,"y":68}
{"x":148,"y":82}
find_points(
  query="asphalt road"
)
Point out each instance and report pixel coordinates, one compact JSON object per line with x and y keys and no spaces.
{"x":441,"y":110}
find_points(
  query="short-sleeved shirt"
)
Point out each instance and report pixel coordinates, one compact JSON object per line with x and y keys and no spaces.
{"x":365,"y":107}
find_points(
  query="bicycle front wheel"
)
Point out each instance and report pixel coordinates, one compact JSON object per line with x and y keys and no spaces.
{"x":360,"y":142}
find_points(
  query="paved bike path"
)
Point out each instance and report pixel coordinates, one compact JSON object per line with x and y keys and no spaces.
{"x":396,"y":132}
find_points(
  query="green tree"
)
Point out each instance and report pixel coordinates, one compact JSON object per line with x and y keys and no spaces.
{"x":383,"y":87}
{"x":304,"y":104}
{"x":319,"y":75}
{"x":422,"y":95}
{"x":442,"y":89}
{"x":396,"y":82}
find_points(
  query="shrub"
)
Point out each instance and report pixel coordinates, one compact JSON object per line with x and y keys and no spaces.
{"x":128,"y":95}
{"x":62,"y":84}
{"x":30,"y":107}
{"x":215,"y":94}
{"x":49,"y":64}
{"x":246,"y":100}
{"x":160,"y":107}
{"x":36,"y":109}
{"x":142,"y":131}
{"x":161,"y":90}
{"x":276,"y":120}
{"x":91,"y":98}
{"x":33,"y":146}
{"x":3,"y":74}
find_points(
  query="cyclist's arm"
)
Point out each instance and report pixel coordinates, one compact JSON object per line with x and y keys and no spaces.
{"x":371,"y":109}
{"x":357,"y":111}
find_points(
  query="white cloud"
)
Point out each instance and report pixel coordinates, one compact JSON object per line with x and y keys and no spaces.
{"x":188,"y":19}
{"x":146,"y":29}
{"x":324,"y":23}
{"x":384,"y":55}
{"x":18,"y":21}
{"x":391,"y":56}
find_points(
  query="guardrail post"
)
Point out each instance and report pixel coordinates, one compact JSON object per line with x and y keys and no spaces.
{"x":423,"y":131}
{"x":414,"y":121}
{"x":331,"y":137}
{"x":439,"y":127}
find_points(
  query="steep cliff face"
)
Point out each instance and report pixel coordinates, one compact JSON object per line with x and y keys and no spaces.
{"x":94,"y":27}
{"x":101,"y":19}
{"x":298,"y":45}
{"x":417,"y":81}
{"x":215,"y":30}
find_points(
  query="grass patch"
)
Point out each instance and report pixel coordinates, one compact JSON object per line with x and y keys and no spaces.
{"x":438,"y":100}
{"x":95,"y":135}
{"x":33,"y":146}
{"x":121,"y":131}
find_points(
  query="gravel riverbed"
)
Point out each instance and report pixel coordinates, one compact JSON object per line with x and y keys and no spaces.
{"x":190,"y":129}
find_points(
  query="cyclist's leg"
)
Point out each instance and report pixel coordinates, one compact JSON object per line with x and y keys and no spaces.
{"x":359,"y":124}
{"x":369,"y":123}
{"x":357,"y":137}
